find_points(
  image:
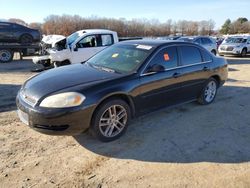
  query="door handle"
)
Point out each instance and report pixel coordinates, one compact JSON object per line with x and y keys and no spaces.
{"x":176,"y":75}
{"x":205,"y":68}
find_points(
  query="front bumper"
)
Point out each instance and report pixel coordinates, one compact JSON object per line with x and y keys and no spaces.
{"x":233,"y":52}
{"x":67,"y":121}
{"x":41,"y":59}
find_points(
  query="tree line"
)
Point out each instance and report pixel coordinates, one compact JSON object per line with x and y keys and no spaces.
{"x":67,"y":24}
{"x":239,"y":26}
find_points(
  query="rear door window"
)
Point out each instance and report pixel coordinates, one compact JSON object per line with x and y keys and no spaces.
{"x":107,"y":40}
{"x":190,"y":55}
{"x":5,"y":26}
{"x":206,"y":56}
{"x":166,"y":57}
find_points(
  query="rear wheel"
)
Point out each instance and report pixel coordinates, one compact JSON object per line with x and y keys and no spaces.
{"x":244,"y":52}
{"x":209,"y":92}
{"x":110,"y":120}
{"x":26,"y":39}
{"x":6,"y":56}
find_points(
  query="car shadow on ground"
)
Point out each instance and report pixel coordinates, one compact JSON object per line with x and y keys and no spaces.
{"x":190,"y":133}
{"x":234,"y":60}
{"x":8,"y":94}
{"x":23,"y":66}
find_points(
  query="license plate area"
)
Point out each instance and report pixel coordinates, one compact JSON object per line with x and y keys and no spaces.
{"x":24,"y":117}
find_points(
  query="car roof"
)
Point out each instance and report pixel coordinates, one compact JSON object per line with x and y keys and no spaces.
{"x":95,"y":31}
{"x":155,"y":43}
{"x":3,"y":22}
{"x":243,"y":37}
{"x":194,"y":37}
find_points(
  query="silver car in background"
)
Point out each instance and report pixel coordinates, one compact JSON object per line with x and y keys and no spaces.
{"x":205,"y":41}
{"x":236,"y":45}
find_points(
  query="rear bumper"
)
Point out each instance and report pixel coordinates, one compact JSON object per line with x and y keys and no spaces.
{"x":68,"y":121}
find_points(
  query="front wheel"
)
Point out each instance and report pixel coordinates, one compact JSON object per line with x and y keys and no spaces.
{"x":209,"y":92}
{"x":244,"y":52}
{"x":110,"y":120}
{"x":6,"y":56}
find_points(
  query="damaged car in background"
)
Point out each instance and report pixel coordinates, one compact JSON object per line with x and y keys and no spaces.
{"x":77,"y":48}
{"x":48,"y":42}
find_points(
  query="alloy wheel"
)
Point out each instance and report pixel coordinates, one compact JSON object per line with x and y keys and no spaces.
{"x":113,"y":121}
{"x":210,"y":91}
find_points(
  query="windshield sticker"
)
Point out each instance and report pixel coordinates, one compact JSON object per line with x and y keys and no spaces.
{"x":144,"y":47}
{"x":166,"y":57}
{"x":115,"y":55}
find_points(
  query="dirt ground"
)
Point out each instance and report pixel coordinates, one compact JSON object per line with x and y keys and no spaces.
{"x":187,"y":146}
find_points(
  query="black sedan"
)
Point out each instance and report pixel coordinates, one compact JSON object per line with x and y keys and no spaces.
{"x":12,"y":32}
{"x":119,"y":83}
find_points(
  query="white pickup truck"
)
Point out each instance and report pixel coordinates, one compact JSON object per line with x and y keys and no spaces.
{"x":78,"y":47}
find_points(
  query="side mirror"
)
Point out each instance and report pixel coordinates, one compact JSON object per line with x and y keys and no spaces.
{"x":156,"y":68}
{"x":74,"y":47}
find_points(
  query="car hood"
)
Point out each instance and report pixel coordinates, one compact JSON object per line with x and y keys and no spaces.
{"x":62,"y":78}
{"x":52,"y":39}
{"x":232,"y":44}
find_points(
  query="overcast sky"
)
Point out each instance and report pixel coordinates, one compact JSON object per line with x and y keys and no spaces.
{"x":196,"y":10}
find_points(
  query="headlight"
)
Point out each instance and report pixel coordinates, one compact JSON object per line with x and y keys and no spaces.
{"x":63,"y":100}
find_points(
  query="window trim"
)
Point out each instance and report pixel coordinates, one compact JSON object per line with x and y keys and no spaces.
{"x":155,"y":53}
{"x":84,"y":38}
{"x":112,"y":39}
{"x":181,"y":58}
{"x":92,"y":34}
{"x":143,"y":73}
{"x":176,"y":48}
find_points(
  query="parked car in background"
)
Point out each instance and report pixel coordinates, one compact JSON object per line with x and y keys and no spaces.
{"x":206,"y":42}
{"x":236,"y":45}
{"x":78,"y":47}
{"x":121,"y":82}
{"x":15,"y":33}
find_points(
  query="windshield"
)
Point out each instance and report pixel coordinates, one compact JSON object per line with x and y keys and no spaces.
{"x":72,"y":38}
{"x":123,"y":58}
{"x":236,"y":40}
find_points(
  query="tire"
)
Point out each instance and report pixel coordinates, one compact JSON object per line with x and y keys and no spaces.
{"x":26,"y":39}
{"x":6,"y":56}
{"x":208,"y":92}
{"x":61,"y":63}
{"x":244,"y":52}
{"x":213,"y":52}
{"x":105,"y":126}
